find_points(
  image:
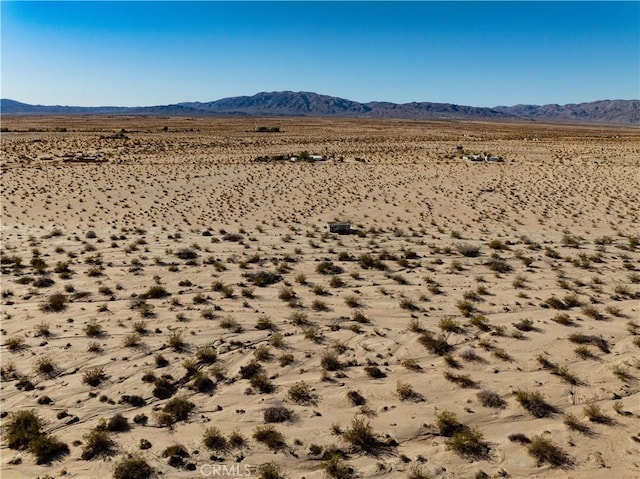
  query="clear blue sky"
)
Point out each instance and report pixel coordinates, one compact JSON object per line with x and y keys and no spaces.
{"x":469,"y":53}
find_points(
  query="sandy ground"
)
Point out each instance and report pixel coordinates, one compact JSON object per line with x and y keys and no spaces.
{"x":461,"y":282}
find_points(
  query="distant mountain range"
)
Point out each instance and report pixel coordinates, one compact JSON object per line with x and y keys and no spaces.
{"x":288,"y":103}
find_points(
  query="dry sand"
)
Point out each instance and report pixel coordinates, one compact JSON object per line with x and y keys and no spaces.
{"x":401,"y":311}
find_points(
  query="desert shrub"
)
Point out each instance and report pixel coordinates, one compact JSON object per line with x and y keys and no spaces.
{"x":469,"y":443}
{"x":535,"y":403}
{"x":301,"y":393}
{"x":163,"y":388}
{"x":263,"y":278}
{"x":265,"y":322}
{"x":55,"y":303}
{"x":277,"y":414}
{"x":118,"y":423}
{"x":186,"y":253}
{"x":593,"y":313}
{"x":133,"y":467}
{"x":519,"y":438}
{"x":237,"y":440}
{"x":436,"y":345}
{"x":448,"y":424}
{"x":360,"y":435}
{"x":329,"y":360}
{"x":597,"y":341}
{"x":263,"y":353}
{"x":46,"y":366}
{"x":93,"y":329}
{"x":21,"y":428}
{"x":575,"y":424}
{"x":465,"y":307}
{"x":468,"y":250}
{"x":97,"y":443}
{"x":214,"y":440}
{"x":93,"y":377}
{"x":545,"y":450}
{"x":15,"y":343}
{"x":176,"y":409}
{"x":46,"y":448}
{"x":250,"y":370}
{"x":270,"y":437}
{"x":375,"y":372}
{"x":595,"y":414}
{"x":328,"y":267}
{"x":206,"y":355}
{"x":449,"y":325}
{"x":524,"y":324}
{"x":491,"y":399}
{"x":176,"y":342}
{"x":498,"y":265}
{"x":336,"y":468}
{"x":356,"y":398}
{"x":131,"y":340}
{"x":408,"y":304}
{"x":406,"y":392}
{"x":135,"y":400}
{"x":262,"y":383}
{"x":155,"y":292}
{"x":271,"y":470}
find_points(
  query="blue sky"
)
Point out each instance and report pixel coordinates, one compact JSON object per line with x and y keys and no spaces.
{"x":470,"y":53}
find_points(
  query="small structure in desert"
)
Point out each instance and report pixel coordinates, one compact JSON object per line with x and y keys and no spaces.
{"x":340,"y":227}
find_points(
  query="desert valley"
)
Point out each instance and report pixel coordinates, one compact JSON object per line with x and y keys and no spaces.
{"x":173,"y":307}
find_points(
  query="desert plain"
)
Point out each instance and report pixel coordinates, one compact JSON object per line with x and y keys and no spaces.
{"x":172,"y":307}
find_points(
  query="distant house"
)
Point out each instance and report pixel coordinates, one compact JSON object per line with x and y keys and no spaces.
{"x":495,"y":158}
{"x":340,"y":227}
{"x":472,"y":157}
{"x":316,"y":158}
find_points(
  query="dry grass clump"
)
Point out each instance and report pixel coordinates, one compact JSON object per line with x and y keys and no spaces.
{"x":23,"y":430}
{"x":176,"y":409}
{"x":491,"y":399}
{"x":406,"y":392}
{"x":133,"y":467}
{"x":595,"y":414}
{"x":465,"y":441}
{"x":271,"y":470}
{"x":55,"y":303}
{"x":93,"y":377}
{"x":436,"y":345}
{"x":597,"y":341}
{"x":278,"y":414}
{"x":301,"y":393}
{"x":361,"y":436}
{"x":270,"y":437}
{"x":545,"y":450}
{"x":535,"y":403}
{"x":214,"y":440}
{"x":97,"y":443}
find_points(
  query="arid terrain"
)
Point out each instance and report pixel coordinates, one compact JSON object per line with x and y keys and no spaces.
{"x":171,"y":306}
